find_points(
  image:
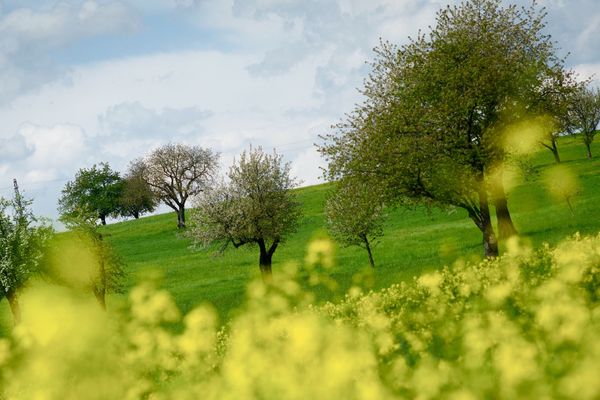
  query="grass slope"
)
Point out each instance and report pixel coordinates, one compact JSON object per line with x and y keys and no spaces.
{"x":414,"y":241}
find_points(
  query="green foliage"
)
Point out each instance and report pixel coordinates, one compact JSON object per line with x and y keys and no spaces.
{"x":95,"y":190}
{"x":415,"y":240}
{"x":137,"y":197}
{"x":23,"y":238}
{"x":584,"y":113}
{"x":83,"y":259}
{"x":432,"y":125}
{"x":355,"y":215}
{"x":522,"y":326}
{"x":519,"y":327}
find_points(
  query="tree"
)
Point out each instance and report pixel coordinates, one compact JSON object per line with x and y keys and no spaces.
{"x":97,"y":190}
{"x":82,"y":258}
{"x":585,"y":114}
{"x":431,"y":127}
{"x":176,"y":172}
{"x":355,"y":215}
{"x":23,"y":240}
{"x":557,"y":103}
{"x":255,"y":207}
{"x":137,"y":197}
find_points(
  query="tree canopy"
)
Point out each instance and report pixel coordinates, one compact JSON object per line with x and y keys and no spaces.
{"x":584,"y":113}
{"x":97,"y":190}
{"x":137,"y":197}
{"x":176,"y":172}
{"x":355,"y":215}
{"x":23,"y":240}
{"x":255,"y":207}
{"x":432,"y":126}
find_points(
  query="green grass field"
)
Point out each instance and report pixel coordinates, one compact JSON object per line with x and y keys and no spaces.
{"x":415,"y":240}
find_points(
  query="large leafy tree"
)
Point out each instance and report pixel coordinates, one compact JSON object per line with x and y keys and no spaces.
{"x":431,"y":128}
{"x":256,"y":207}
{"x":23,"y":240}
{"x":355,"y":215}
{"x":96,"y":190}
{"x":176,"y":172}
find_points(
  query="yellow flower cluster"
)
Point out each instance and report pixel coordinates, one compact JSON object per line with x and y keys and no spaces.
{"x":526,"y":325}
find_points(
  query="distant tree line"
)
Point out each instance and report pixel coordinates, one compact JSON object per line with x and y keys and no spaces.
{"x":102,"y":191}
{"x":255,"y":207}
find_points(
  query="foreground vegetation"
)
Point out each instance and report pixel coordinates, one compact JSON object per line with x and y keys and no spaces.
{"x":522,"y":326}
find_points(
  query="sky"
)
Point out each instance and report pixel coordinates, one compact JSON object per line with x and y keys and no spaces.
{"x":83,"y":82}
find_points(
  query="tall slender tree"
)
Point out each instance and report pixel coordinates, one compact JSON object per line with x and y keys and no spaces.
{"x":355,"y":215}
{"x":82,"y":258}
{"x":23,"y":240}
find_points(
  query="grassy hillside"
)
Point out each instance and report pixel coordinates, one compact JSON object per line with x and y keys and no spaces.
{"x":415,"y":240}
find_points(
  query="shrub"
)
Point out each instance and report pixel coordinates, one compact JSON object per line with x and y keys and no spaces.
{"x":522,"y":326}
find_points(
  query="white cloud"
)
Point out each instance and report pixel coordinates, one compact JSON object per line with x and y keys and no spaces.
{"x":54,"y":148}
{"x":588,"y":38}
{"x":174,"y":84}
{"x":29,"y":36}
{"x":14,"y":148}
{"x":281,"y":72}
{"x":306,"y":166}
{"x":52,"y":153}
{"x":132,"y":119}
{"x":589,"y":71}
{"x":142,"y":102}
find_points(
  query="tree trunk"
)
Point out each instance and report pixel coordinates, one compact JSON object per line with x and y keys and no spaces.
{"x":264,"y":262}
{"x":368,"y":247}
{"x":100,"y":289}
{"x":554,"y":150}
{"x":481,"y":217}
{"x":589,"y":150}
{"x":15,"y":309}
{"x":506,"y":227}
{"x":100,"y":294}
{"x":181,"y":217}
{"x":136,"y":214}
{"x":490,"y":243}
{"x":103,"y":219}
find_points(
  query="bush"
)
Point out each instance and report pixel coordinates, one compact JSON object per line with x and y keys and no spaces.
{"x":523,"y":326}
